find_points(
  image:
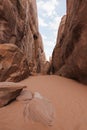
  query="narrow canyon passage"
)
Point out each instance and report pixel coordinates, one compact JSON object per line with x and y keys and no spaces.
{"x":50,"y":13}
{"x":62,"y":82}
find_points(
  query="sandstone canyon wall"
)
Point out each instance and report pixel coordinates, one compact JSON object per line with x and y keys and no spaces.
{"x":69,"y":57}
{"x":19,"y":29}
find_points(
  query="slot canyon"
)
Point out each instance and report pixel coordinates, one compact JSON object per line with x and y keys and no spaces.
{"x":24,"y":70}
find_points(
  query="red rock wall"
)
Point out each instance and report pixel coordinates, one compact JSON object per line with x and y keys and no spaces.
{"x":57,"y":50}
{"x":19,"y":26}
{"x":70,"y":54}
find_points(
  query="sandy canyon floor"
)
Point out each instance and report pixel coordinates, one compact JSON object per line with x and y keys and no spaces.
{"x":68,"y":97}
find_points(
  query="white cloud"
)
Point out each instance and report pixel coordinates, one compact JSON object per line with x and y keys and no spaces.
{"x":42,"y":22}
{"x":48,"y":7}
{"x":54,"y":24}
{"x":44,"y":37}
{"x":48,"y":46}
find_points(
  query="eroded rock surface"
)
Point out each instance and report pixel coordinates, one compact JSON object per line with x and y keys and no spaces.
{"x":13,"y":64}
{"x":9,"y":91}
{"x":19,"y":26}
{"x":56,"y":58}
{"x":69,"y":56}
{"x":46,"y":68}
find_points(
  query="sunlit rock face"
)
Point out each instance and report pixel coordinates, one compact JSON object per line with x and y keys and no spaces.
{"x":19,"y":26}
{"x":70,"y":54}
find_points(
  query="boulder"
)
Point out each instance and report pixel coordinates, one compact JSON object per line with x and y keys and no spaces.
{"x":13,"y":64}
{"x":9,"y":91}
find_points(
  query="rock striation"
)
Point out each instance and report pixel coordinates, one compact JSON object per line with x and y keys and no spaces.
{"x":9,"y":91}
{"x":69,"y":56}
{"x":13,"y":64}
{"x":19,"y":26}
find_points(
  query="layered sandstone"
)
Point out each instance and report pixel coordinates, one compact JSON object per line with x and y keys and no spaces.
{"x":13,"y":64}
{"x":19,"y":26}
{"x":9,"y":91}
{"x":69,"y":56}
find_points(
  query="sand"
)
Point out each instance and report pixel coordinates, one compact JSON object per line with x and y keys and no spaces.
{"x":68,"y":97}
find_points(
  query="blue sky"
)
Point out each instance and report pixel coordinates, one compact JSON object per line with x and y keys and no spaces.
{"x":49,"y":15}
